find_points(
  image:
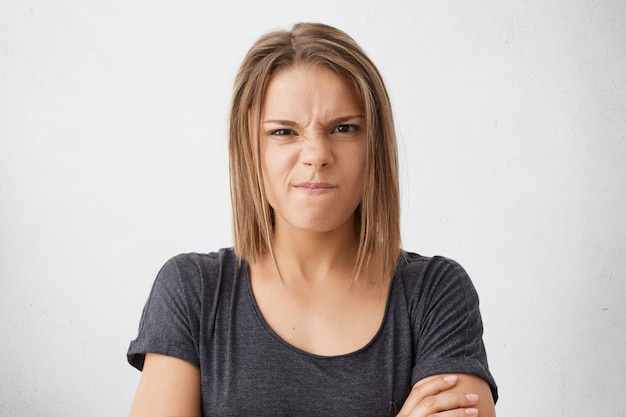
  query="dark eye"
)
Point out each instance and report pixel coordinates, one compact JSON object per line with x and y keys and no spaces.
{"x":281,"y":132}
{"x":346,"y":129}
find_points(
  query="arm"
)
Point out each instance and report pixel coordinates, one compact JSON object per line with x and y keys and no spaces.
{"x":168,"y":387}
{"x":446,"y":395}
{"x":447,"y":336}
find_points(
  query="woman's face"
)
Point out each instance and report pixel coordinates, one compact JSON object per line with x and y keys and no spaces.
{"x":313,"y":149}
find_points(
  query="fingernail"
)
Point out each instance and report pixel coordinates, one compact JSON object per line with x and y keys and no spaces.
{"x":471,"y":397}
{"x":471,"y":411}
{"x":449,"y":378}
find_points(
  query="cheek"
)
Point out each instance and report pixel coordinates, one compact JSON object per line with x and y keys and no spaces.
{"x":358,"y":164}
{"x":275,"y":163}
{"x":276,"y":168}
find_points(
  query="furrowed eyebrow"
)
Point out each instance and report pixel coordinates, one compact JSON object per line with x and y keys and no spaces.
{"x":338,"y":120}
{"x":280,"y":122}
{"x":344,"y":119}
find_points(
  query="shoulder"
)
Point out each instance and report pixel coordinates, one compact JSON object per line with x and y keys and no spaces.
{"x":412,"y":266}
{"x":436,"y":276}
{"x":194,"y":260}
{"x":189,"y":264}
{"x":195,"y":271}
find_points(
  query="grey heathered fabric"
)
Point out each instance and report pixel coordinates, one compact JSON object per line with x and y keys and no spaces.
{"x":201,"y":309}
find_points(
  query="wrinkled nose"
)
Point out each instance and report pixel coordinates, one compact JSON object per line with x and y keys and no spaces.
{"x":317,"y":152}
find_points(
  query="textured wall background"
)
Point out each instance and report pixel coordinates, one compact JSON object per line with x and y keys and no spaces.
{"x":512,"y":124}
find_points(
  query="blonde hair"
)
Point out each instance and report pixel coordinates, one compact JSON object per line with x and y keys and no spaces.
{"x":378,"y":216}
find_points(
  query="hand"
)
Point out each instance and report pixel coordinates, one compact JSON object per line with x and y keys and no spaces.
{"x":433,"y":397}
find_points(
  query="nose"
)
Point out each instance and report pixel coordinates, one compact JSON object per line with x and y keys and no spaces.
{"x":317,"y":152}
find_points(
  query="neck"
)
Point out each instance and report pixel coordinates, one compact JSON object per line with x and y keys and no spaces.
{"x":315,"y":256}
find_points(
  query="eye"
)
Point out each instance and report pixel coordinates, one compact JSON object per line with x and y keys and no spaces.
{"x":282,"y":132}
{"x":346,"y":129}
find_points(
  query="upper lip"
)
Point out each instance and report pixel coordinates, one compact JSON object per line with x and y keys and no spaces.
{"x":312,"y":184}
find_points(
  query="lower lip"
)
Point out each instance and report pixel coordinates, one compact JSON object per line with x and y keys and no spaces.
{"x":315,"y":190}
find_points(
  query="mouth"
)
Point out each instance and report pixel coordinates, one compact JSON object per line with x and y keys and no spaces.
{"x":315,"y":187}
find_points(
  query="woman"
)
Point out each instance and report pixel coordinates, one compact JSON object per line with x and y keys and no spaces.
{"x":316,"y":311}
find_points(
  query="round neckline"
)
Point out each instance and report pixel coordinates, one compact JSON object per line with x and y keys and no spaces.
{"x":282,"y":342}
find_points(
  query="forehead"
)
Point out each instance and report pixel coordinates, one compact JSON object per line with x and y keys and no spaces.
{"x":309,"y":87}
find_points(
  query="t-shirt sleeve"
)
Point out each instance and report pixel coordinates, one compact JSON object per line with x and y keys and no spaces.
{"x":167,"y":324}
{"x":447,"y":324}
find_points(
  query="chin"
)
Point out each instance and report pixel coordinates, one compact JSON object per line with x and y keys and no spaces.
{"x":323,"y":225}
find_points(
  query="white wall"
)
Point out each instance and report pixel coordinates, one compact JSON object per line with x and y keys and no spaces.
{"x":512,"y":120}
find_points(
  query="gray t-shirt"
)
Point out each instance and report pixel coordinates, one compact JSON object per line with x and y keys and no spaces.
{"x":202,"y":310}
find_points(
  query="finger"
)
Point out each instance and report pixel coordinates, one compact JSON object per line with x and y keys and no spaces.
{"x":427,"y":388}
{"x":454,"y":403}
{"x":448,"y":404}
{"x":459,"y":412}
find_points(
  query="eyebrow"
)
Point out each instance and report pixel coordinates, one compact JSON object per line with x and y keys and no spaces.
{"x":338,"y":120}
